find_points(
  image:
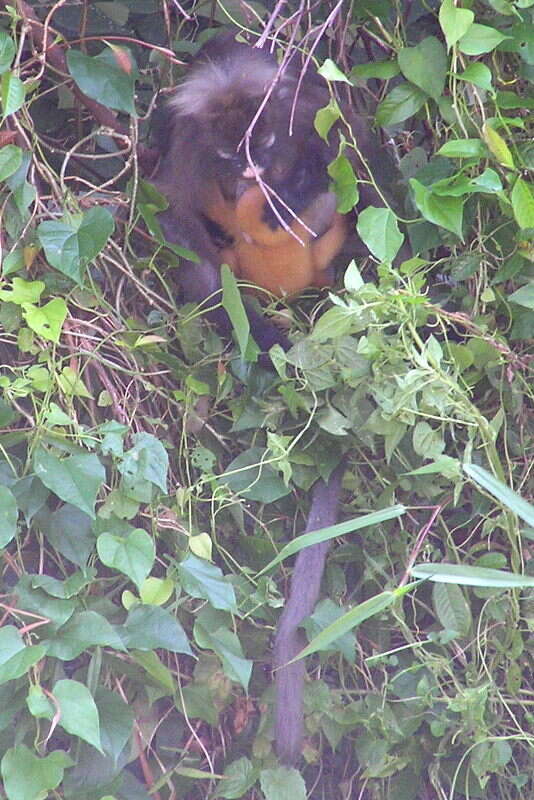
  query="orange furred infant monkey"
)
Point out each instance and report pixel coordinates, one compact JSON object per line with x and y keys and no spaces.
{"x":282,"y":261}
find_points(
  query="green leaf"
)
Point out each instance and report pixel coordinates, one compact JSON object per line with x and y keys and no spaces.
{"x":455,"y":22}
{"x":501,"y":492}
{"x":28,"y":777}
{"x":40,"y":602}
{"x":11,"y":643}
{"x":227,"y":646}
{"x":479,"y":75}
{"x":201,"y":545}
{"x":31,"y":496}
{"x":427,"y":442}
{"x":444,"y":211}
{"x":39,"y":704}
{"x":41,"y":381}
{"x":247,"y":475}
{"x":152,"y":665}
{"x":8,"y":516}
{"x":352,"y":280}
{"x":147,"y":460}
{"x":66,"y":589}
{"x":414,"y":62}
{"x":282,"y":783}
{"x":402,"y":102}
{"x":74,"y":241}
{"x":333,"y":422}
{"x":452,"y":609}
{"x":333,"y":324}
{"x":340,"y":529}
{"x":10,"y":159}
{"x":150,"y":627}
{"x":497,"y":145}
{"x":509,"y":100}
{"x":12,"y":93}
{"x":353,"y":618}
{"x":444,"y":465}
{"x":239,"y":776}
{"x":78,"y":711}
{"x":524,"y":296}
{"x":505,"y":7}
{"x":103,"y":79}
{"x":196,"y":700}
{"x":156,"y":591}
{"x":132,"y":555}
{"x":379,"y":230}
{"x":384,"y":70}
{"x":331,"y":72}
{"x":75,"y":479}
{"x":480,"y":39}
{"x":233,"y":305}
{"x":201,"y":579}
{"x":83,"y":630}
{"x":22,"y":291}
{"x":523,"y":203}
{"x":325,"y":118}
{"x":471,"y":576}
{"x":70,"y":532}
{"x":194,"y":774}
{"x":345,"y":184}
{"x":522,"y":41}
{"x":21,"y":663}
{"x":327,"y":612}
{"x":463,"y":148}
{"x":116,"y":722}
{"x":71,"y":385}
{"x":7,"y":51}
{"x":488,"y":181}
{"x":47,"y":320}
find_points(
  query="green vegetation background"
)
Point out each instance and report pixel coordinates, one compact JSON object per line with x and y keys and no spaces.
{"x":150,"y":475}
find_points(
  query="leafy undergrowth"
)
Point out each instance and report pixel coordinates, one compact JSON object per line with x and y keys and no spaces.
{"x":149,"y":475}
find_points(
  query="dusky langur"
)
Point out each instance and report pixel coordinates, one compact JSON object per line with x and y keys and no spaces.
{"x":218,"y":209}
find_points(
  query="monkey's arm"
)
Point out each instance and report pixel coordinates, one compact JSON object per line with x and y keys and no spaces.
{"x":326,"y":247}
{"x":289,"y":640}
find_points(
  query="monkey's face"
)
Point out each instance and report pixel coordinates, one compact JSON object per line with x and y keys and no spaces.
{"x":234,"y":151}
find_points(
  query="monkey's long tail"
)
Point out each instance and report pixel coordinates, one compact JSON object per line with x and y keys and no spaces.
{"x":289,"y":640}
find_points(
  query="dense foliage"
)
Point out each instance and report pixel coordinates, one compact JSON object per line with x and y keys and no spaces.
{"x":150,"y":473}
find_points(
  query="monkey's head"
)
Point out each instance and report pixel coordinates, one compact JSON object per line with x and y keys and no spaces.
{"x":222,"y":94}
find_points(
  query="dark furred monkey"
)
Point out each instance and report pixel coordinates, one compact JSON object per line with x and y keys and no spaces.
{"x":217,"y":209}
{"x":207,"y":176}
